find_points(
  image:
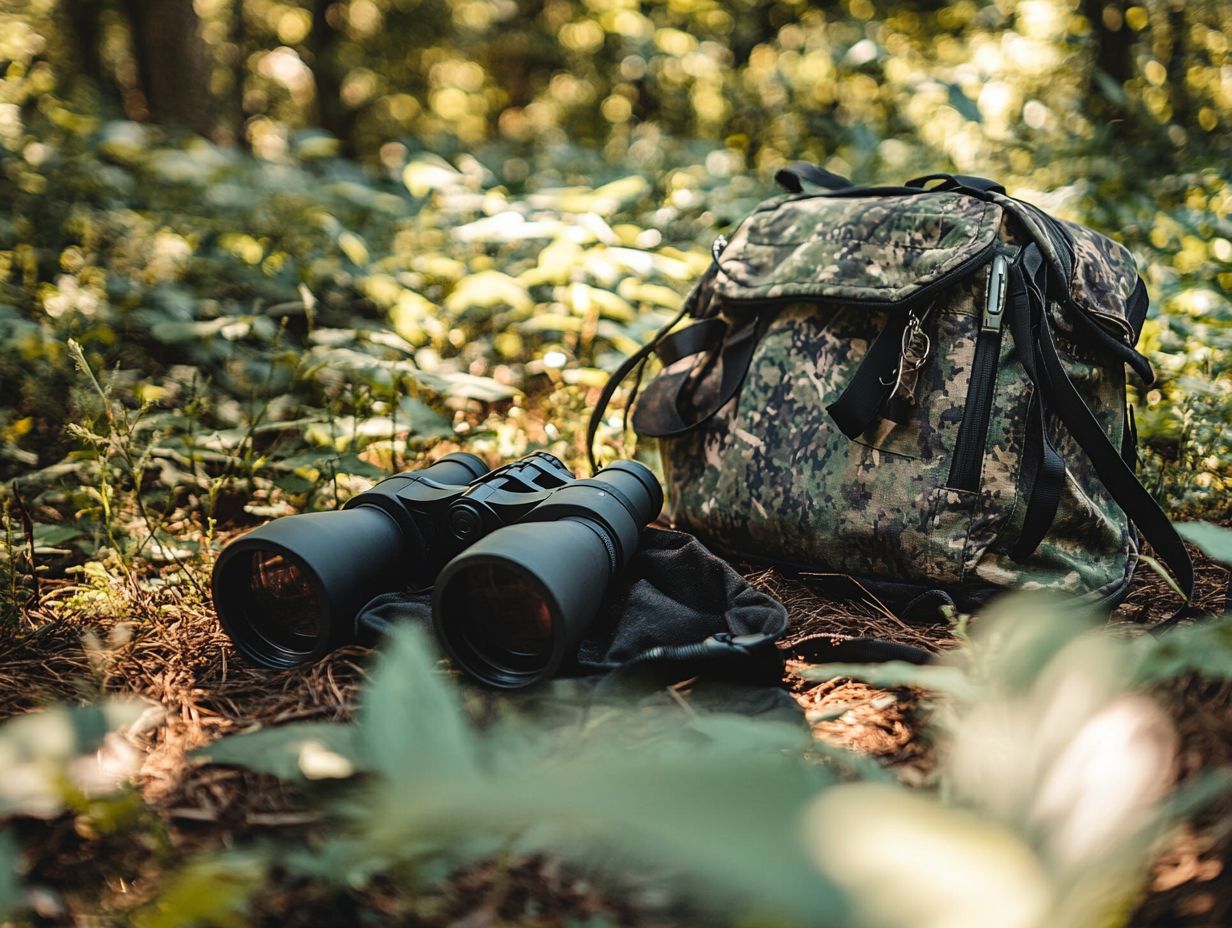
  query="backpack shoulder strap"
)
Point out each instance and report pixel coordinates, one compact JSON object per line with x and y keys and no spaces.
{"x":1057,"y":394}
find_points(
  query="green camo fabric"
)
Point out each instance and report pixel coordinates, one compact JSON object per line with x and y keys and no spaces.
{"x":771,"y":477}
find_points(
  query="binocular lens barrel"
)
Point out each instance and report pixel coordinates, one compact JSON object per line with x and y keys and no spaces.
{"x":516,"y":604}
{"x":288,"y":592}
{"x":510,"y":608}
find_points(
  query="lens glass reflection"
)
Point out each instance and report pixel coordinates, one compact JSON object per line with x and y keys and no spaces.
{"x":503,"y":616}
{"x":283,"y":607}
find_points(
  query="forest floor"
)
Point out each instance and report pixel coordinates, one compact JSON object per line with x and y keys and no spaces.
{"x":164,"y":647}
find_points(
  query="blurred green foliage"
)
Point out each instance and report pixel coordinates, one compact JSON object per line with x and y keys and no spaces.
{"x":403,"y":224}
{"x":1053,"y":789}
{"x":536,"y":185}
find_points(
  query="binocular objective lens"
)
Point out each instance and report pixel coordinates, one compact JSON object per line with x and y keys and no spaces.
{"x":283,"y":606}
{"x":504,"y":616}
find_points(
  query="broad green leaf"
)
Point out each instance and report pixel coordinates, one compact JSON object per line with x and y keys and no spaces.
{"x":10,"y":863}
{"x":1214,"y":540}
{"x":299,"y":750}
{"x":1203,"y":648}
{"x":936,"y":677}
{"x":411,"y":727}
{"x":422,"y":420}
{"x":485,"y":290}
{"x":49,"y":536}
{"x":470,"y":386}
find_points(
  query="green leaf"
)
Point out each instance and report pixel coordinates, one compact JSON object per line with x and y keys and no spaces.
{"x":468,"y":386}
{"x":936,"y":677}
{"x":411,"y":725}
{"x":10,"y":888}
{"x":422,"y":419}
{"x":300,"y":750}
{"x":209,"y":891}
{"x":1214,"y":540}
{"x":965,"y":105}
{"x":1203,"y":648}
{"x":49,"y":536}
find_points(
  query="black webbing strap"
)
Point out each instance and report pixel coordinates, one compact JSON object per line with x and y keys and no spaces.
{"x":797,"y":175}
{"x":678,"y":401}
{"x":861,"y":402}
{"x":609,"y":389}
{"x":1115,"y":474}
{"x":1042,"y":464}
{"x":706,"y":335}
{"x":1092,"y":332}
{"x":833,"y":649}
{"x":963,"y":182}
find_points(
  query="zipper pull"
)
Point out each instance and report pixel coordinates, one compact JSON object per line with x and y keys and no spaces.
{"x":994,"y":301}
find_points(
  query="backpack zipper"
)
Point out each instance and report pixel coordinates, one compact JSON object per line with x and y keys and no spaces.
{"x":973,"y":432}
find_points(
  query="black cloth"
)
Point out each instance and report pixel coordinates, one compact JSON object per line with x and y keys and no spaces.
{"x":675,"y":611}
{"x":677,"y":602}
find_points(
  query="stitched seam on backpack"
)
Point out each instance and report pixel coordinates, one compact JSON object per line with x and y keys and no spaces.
{"x":976,"y":228}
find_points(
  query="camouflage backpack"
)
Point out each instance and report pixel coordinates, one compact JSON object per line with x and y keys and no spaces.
{"x":921,"y":387}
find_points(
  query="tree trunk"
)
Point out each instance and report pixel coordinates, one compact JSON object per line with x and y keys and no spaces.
{"x":172,"y":68}
{"x":1178,"y":63}
{"x":1114,"y":43}
{"x":239,"y":72}
{"x":333,"y":115}
{"x":80,"y":22}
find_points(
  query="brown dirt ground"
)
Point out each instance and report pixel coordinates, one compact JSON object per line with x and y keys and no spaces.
{"x":168,"y":648}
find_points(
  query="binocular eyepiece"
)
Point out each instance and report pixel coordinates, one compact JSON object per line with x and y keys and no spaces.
{"x":519,"y":558}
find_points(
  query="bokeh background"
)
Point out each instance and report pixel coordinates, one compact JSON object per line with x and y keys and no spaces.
{"x":255,"y":255}
{"x":378,"y":218}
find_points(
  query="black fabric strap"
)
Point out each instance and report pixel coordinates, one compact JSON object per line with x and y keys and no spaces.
{"x":618,"y":376}
{"x":1090,"y":331}
{"x":1116,"y":475}
{"x":701,"y":336}
{"x":861,"y":402}
{"x":678,"y":401}
{"x":830,"y":649}
{"x":795,"y":176}
{"x":1042,"y":465}
{"x":967,"y":182}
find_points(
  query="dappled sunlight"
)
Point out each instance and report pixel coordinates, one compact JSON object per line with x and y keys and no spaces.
{"x":285,"y":249}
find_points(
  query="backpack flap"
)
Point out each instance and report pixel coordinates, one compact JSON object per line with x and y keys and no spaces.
{"x":872,"y":251}
{"x":864,"y":252}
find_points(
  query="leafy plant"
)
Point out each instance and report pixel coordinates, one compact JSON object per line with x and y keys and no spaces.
{"x":1053,"y":792}
{"x":672,"y":791}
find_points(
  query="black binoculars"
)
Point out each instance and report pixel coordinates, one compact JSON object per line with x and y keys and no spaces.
{"x":519,"y":557}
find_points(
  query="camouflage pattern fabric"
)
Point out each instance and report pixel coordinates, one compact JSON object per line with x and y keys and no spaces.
{"x":771,"y":476}
{"x":864,"y":249}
